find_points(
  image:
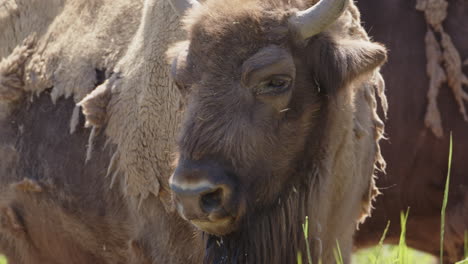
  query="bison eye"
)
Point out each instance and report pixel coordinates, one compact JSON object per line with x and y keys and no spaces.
{"x":275,"y":85}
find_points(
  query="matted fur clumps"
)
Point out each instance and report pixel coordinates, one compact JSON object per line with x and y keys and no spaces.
{"x":12,"y":70}
{"x":75,"y":40}
{"x":444,"y":64}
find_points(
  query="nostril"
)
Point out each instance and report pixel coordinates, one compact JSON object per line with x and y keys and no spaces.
{"x":212,"y":200}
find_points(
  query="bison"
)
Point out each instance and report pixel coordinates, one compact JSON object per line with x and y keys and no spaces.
{"x":304,"y":145}
{"x":280,"y":126}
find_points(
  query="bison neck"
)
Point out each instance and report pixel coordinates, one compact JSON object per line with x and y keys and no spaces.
{"x":275,"y":235}
{"x":272,"y":236}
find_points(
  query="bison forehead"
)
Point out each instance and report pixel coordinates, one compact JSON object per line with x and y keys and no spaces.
{"x":232,"y":34}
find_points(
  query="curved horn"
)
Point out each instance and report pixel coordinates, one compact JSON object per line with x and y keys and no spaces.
{"x":180,"y":6}
{"x":314,"y":20}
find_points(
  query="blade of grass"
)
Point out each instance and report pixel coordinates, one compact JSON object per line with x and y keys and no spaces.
{"x":444,"y":203}
{"x":299,"y":257}
{"x":380,"y":246}
{"x":305,"y":229}
{"x":402,"y":248}
{"x":337,"y":253}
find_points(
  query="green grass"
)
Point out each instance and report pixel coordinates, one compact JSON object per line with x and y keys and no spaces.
{"x":337,"y":252}
{"x":3,"y":260}
{"x":401,"y":254}
{"x":390,"y":255}
{"x":398,"y":254}
{"x":305,"y":229}
{"x":444,"y":203}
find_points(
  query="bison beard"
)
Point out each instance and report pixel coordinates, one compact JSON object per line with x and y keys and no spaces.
{"x":273,"y":234}
{"x":269,"y":236}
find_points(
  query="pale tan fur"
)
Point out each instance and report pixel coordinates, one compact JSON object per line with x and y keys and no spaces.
{"x":143,"y":110}
{"x":12,"y":75}
{"x":74,"y":38}
{"x":12,"y":71}
{"x":142,"y":119}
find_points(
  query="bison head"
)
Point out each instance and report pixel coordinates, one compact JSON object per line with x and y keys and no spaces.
{"x":260,"y":78}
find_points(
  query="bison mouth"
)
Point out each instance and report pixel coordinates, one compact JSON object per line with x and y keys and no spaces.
{"x":220,"y":227}
{"x":218,"y":221}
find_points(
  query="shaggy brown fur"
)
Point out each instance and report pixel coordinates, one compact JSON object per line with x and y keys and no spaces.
{"x":417,"y":161}
{"x":53,"y":208}
{"x":306,"y":152}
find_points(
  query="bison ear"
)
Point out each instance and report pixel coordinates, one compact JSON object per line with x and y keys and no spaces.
{"x":342,"y":62}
